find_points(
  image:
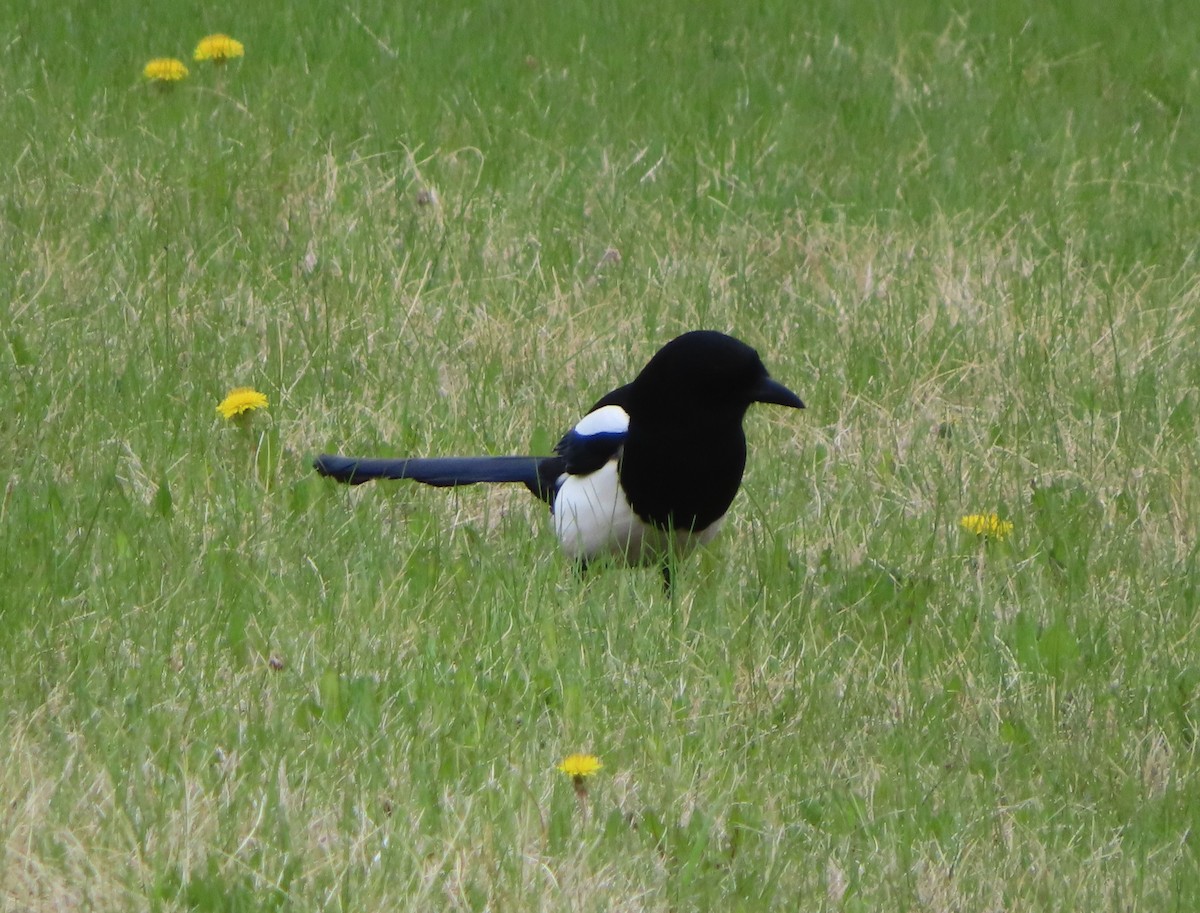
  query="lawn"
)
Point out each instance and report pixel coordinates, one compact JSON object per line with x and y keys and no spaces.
{"x":966,"y":238}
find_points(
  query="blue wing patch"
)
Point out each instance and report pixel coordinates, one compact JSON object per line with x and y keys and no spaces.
{"x":595,"y":440}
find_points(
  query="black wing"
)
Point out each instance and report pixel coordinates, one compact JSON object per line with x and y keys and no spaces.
{"x":598,"y":437}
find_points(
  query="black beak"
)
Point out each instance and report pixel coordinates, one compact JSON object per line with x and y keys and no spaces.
{"x":772,"y":391}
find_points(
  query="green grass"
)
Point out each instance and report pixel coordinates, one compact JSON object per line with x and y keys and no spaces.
{"x":967,"y":239}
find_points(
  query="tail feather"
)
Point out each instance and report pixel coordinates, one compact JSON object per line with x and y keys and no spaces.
{"x":535,"y":473}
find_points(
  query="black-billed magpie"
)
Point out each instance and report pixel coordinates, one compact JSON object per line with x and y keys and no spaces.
{"x":651,"y":468}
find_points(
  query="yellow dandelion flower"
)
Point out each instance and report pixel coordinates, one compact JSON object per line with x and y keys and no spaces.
{"x":989,"y":525}
{"x":165,"y":69}
{"x":579,"y":766}
{"x":218,"y":48}
{"x":241,"y":400}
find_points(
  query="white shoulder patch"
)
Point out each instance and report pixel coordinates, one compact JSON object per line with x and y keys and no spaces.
{"x":605,"y":420}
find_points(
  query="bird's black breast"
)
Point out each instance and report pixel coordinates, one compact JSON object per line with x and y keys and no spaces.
{"x":676,"y":478}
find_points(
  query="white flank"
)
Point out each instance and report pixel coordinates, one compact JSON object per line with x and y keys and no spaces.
{"x":593,"y":519}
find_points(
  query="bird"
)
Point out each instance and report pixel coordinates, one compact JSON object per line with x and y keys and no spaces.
{"x":650,"y":470}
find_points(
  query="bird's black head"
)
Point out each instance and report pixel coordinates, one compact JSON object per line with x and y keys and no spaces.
{"x":711,"y":372}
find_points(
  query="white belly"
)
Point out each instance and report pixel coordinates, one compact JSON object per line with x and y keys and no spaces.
{"x":593,"y":520}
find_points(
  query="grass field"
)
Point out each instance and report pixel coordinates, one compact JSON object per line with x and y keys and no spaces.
{"x":966,"y":238}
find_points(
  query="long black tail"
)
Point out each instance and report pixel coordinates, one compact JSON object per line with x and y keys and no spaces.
{"x":538,"y":474}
